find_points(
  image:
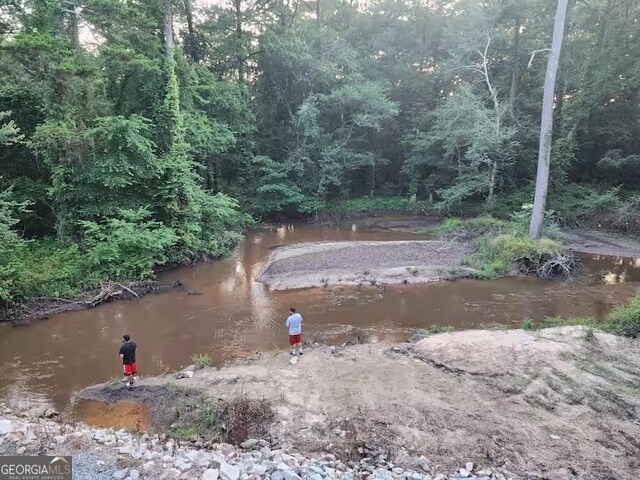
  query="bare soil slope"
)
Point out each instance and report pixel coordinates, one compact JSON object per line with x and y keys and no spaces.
{"x":554,"y":404}
{"x":356,"y":263}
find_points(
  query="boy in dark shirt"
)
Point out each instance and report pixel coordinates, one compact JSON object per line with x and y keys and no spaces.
{"x":128,"y":356}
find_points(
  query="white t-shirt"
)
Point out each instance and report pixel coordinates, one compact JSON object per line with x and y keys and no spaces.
{"x":294,"y":323}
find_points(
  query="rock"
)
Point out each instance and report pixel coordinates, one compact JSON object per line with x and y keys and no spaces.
{"x":120,"y":474}
{"x":182,"y":465}
{"x":330,"y":472}
{"x":469,"y":466}
{"x":171,"y":473}
{"x":59,"y":439}
{"x":126,"y":450}
{"x":398,"y":470}
{"x":464,"y":473}
{"x":382,"y":474}
{"x":50,"y":413}
{"x":198,"y":458}
{"x":291,"y":475}
{"x":148,"y":466}
{"x":21,"y":450}
{"x":259,"y":470}
{"x":229,"y":472}
{"x":249,"y":444}
{"x":134,"y":474}
{"x":277,"y":475}
{"x":282,"y":466}
{"x":423,"y":463}
{"x":346,"y":476}
{"x":210,"y":474}
{"x":316,"y":470}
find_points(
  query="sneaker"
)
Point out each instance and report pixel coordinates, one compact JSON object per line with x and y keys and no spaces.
{"x":293,"y":352}
{"x":135,"y":379}
{"x":300,"y":351}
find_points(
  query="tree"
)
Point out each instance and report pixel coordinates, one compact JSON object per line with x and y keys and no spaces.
{"x":546,"y":125}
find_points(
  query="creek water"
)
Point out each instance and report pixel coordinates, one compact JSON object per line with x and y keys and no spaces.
{"x":225,"y":313}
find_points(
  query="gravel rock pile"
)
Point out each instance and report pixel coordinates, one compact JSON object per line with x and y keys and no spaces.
{"x":115,"y":454}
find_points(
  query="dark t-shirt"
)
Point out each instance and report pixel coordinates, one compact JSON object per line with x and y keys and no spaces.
{"x":128,"y":352}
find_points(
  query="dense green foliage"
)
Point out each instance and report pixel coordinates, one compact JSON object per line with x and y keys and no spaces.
{"x":120,"y":148}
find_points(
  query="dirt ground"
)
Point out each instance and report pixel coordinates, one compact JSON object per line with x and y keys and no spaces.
{"x":602,"y":243}
{"x":554,"y":404}
{"x":364,"y":263}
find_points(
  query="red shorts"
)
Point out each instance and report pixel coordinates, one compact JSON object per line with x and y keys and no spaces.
{"x":293,"y":339}
{"x":130,"y":369}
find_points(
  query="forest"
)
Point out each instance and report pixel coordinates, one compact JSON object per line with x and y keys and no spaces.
{"x":138,"y":133}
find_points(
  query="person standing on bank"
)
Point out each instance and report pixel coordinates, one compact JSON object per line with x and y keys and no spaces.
{"x":128,"y":356}
{"x":294,"y":324}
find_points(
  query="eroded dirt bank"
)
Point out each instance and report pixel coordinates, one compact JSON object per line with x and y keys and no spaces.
{"x":555,"y":404}
{"x":357,"y":263}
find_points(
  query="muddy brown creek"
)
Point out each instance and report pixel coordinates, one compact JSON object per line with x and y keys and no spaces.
{"x":225,"y":313}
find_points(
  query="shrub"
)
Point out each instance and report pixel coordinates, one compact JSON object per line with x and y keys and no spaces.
{"x":496,"y":256}
{"x":625,"y":319}
{"x":202,"y":360}
{"x":44,"y":268}
{"x":528,"y":325}
{"x":128,"y":246}
{"x":435,"y":329}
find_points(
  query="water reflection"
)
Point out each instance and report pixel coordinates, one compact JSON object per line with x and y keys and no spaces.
{"x":603,"y":269}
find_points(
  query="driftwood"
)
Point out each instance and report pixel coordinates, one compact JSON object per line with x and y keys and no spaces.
{"x":110,"y":291}
{"x":558,"y":265}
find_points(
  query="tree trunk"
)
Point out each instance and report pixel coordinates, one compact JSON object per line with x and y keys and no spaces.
{"x":546,"y":124}
{"x":240,"y":56}
{"x":168,"y":29}
{"x":492,"y":182}
{"x":515,"y":75}
{"x":191,"y":35}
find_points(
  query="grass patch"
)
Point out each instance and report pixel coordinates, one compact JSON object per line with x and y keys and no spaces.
{"x":625,"y":319}
{"x":509,"y":253}
{"x":434,"y":330}
{"x":504,"y":247}
{"x":202,"y":360}
{"x":183,"y":433}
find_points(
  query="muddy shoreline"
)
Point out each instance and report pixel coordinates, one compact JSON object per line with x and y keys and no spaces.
{"x":451,"y":397}
{"x":35,"y":309}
